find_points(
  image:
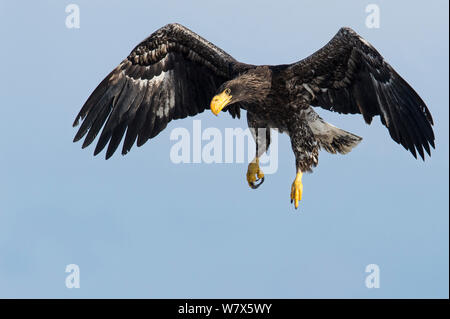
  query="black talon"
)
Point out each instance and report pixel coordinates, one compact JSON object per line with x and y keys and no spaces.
{"x":255,"y":186}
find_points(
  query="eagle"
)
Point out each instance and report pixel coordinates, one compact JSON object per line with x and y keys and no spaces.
{"x":175,"y":73}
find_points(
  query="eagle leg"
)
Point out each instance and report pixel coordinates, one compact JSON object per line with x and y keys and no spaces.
{"x":297,"y":189}
{"x":254,"y":174}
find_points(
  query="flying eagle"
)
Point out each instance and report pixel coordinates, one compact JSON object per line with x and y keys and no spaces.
{"x":175,"y":73}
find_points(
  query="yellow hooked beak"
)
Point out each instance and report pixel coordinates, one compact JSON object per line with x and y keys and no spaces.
{"x":220,"y":101}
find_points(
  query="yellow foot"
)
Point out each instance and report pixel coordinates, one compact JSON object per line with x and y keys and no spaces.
{"x":297,"y":189}
{"x":254,"y":174}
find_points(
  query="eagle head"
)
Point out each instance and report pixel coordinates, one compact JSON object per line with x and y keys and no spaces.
{"x":250,"y":87}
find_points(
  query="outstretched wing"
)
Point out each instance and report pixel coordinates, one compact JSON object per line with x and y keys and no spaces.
{"x":172,"y":74}
{"x":348,"y":75}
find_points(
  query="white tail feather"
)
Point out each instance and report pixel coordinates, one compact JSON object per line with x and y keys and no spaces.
{"x":332,"y":139}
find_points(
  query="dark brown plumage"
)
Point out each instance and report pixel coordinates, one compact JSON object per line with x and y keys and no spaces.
{"x":175,"y":73}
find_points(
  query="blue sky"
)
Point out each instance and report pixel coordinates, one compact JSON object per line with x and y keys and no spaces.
{"x":141,"y":226}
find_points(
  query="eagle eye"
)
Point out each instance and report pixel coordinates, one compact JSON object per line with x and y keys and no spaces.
{"x":227,"y":91}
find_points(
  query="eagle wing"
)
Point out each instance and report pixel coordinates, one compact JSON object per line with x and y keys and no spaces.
{"x":348,"y":75}
{"x":172,"y":74}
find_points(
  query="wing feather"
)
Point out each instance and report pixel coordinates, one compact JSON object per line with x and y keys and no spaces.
{"x":170,"y":75}
{"x":348,"y":75}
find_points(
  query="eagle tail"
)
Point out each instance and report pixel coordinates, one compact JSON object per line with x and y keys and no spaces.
{"x":332,"y":139}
